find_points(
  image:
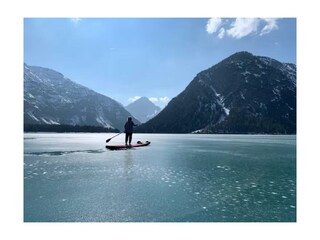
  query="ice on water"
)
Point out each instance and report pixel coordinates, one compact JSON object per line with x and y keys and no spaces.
{"x":214,"y":178}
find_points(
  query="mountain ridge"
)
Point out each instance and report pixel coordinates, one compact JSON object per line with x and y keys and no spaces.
{"x":241,"y":94}
{"x":143,"y":109}
{"x":51,"y":98}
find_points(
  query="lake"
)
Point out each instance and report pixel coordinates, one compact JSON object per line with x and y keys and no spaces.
{"x":72,"y":177}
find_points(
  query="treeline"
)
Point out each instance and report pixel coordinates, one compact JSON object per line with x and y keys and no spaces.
{"x":238,"y":123}
{"x":66,"y":128}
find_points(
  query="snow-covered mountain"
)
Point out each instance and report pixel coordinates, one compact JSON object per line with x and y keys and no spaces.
{"x":51,"y":98}
{"x":241,"y":94}
{"x":143,"y":109}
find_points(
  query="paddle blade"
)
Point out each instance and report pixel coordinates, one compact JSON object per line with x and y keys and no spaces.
{"x":108,"y":140}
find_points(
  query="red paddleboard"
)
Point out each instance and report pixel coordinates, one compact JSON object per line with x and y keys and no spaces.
{"x":123,"y":146}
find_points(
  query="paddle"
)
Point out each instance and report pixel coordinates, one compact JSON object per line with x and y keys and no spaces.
{"x":108,"y":140}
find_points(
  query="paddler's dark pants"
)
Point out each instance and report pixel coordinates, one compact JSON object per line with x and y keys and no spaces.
{"x":128,"y":137}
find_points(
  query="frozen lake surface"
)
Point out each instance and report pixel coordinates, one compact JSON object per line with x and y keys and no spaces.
{"x":178,"y":178}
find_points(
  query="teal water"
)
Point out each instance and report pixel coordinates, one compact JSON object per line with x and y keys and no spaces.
{"x":178,"y":178}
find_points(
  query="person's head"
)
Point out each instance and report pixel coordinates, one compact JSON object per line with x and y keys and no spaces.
{"x":129,"y":119}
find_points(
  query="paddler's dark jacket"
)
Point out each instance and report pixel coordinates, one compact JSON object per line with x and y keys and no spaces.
{"x":128,"y":127}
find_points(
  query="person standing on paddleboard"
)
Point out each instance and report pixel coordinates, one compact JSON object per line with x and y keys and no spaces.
{"x":128,"y":129}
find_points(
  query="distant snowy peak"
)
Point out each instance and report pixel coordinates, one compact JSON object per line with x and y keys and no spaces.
{"x":143,"y":109}
{"x":51,"y":98}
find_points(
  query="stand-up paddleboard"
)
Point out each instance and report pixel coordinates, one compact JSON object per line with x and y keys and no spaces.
{"x":123,"y":146}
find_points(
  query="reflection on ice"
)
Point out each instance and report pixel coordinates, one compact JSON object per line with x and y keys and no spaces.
{"x":59,"y":153}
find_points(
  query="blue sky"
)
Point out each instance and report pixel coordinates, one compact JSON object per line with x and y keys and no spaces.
{"x":125,"y":58}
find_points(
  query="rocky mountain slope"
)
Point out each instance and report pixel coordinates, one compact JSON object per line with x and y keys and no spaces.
{"x":241,"y":94}
{"x":51,"y":98}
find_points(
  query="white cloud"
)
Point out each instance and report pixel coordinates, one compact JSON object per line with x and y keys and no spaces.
{"x":75,"y":20}
{"x":213,"y":24}
{"x":221,"y":33}
{"x":271,"y":25}
{"x":242,"y":27}
{"x":133,"y":99}
{"x":154,"y":99}
{"x":164,"y":100}
{"x":160,"y":101}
